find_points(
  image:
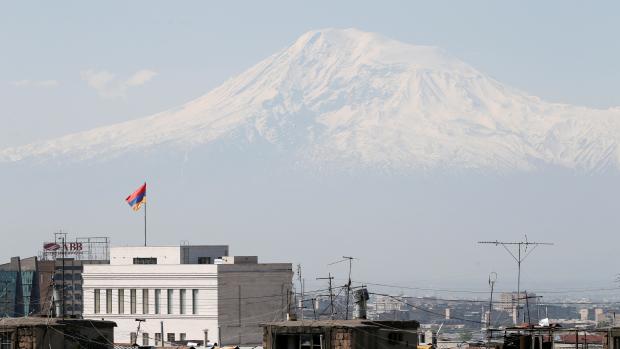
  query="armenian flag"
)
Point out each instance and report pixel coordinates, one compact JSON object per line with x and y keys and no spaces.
{"x":138,"y":198}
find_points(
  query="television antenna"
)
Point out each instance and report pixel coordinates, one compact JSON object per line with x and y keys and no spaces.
{"x":519,"y":251}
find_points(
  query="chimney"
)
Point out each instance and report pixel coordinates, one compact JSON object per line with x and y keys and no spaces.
{"x":361,"y":297}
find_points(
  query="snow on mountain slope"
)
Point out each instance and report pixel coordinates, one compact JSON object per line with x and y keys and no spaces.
{"x":347,"y":97}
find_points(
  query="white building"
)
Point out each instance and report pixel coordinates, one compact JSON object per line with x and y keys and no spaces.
{"x":195,"y":292}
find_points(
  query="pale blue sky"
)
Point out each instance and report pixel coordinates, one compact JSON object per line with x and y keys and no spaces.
{"x":564,"y":51}
{"x":70,"y":66}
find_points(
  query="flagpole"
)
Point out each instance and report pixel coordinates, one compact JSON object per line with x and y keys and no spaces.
{"x":145,"y":222}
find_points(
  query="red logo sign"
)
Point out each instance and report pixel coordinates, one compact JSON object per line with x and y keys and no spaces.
{"x":71,"y":247}
{"x":51,"y":246}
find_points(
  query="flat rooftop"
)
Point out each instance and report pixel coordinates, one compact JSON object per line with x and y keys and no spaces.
{"x":34,"y":321}
{"x":357,"y":323}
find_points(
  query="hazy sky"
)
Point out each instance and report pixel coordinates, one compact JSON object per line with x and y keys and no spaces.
{"x":73,"y":65}
{"x":70,"y":66}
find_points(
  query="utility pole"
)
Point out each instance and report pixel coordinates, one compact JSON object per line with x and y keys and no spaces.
{"x":523,"y":250}
{"x":348,"y":285}
{"x":331,"y":294}
{"x":492,"y":279}
{"x":62,"y":301}
{"x":301,"y":287}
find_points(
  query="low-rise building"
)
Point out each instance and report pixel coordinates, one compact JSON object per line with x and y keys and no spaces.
{"x":180,"y":294}
{"x":41,"y":332}
{"x":340,"y":334}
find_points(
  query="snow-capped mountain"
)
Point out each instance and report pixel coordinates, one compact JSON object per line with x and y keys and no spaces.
{"x":352,"y":98}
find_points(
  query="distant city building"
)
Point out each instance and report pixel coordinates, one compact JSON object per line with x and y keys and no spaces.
{"x":599,"y":315}
{"x":583,"y":314}
{"x":20,"y":292}
{"x":387,"y":304}
{"x":196,"y":293}
{"x":508,"y":302}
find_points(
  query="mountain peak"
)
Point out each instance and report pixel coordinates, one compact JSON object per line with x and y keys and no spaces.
{"x":368,"y":47}
{"x":351,"y":98}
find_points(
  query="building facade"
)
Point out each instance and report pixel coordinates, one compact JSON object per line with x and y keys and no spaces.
{"x":182,"y":294}
{"x":19,"y":287}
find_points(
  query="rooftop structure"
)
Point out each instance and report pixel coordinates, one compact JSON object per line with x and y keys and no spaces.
{"x":189,"y":254}
{"x":40,"y":332}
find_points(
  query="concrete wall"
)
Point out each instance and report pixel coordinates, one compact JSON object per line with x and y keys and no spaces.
{"x":45,"y":275}
{"x":251,"y":294}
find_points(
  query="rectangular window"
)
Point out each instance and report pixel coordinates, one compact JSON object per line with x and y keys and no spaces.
{"x":133,"y":338}
{"x":157,"y":339}
{"x":145,"y":301}
{"x":121,"y":301}
{"x":97,"y":301}
{"x":182,"y":336}
{"x":170,"y":337}
{"x":145,"y":338}
{"x":395,"y":338}
{"x":145,"y":261}
{"x":317,"y":341}
{"x":108,"y":301}
{"x":169,"y":301}
{"x":305,"y":341}
{"x":194,"y":301}
{"x":204,"y":260}
{"x":157,"y":300}
{"x":5,"y":340}
{"x":132,"y":301}
{"x":182,"y":301}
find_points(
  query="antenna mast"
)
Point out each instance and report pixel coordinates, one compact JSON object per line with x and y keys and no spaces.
{"x":523,"y":250}
{"x":331,"y":294}
{"x":348,"y":285}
